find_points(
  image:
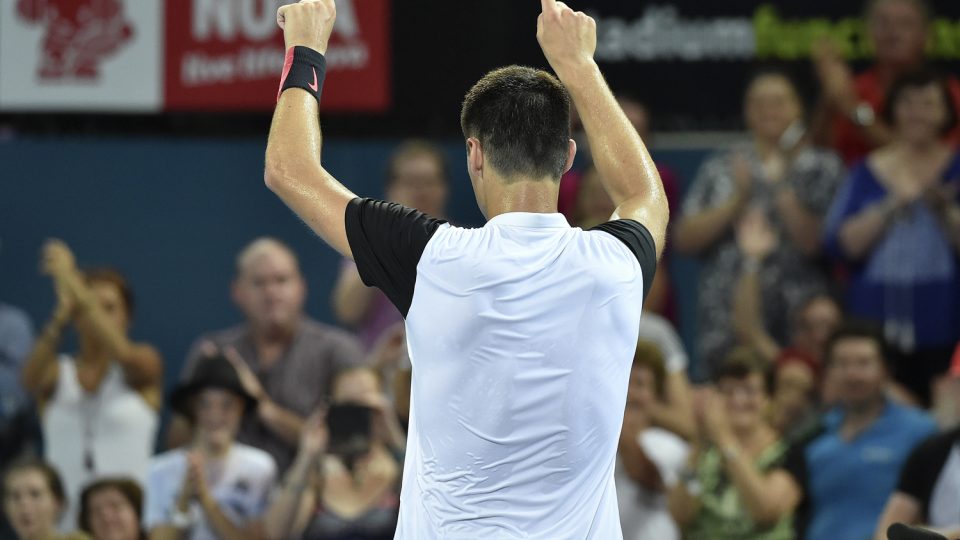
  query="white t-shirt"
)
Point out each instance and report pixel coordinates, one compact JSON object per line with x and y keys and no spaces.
{"x":643,"y":513}
{"x":241,"y":485}
{"x":521,"y":335}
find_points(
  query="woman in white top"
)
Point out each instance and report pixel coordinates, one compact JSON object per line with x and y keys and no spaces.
{"x":215,"y":488}
{"x":99,"y":407}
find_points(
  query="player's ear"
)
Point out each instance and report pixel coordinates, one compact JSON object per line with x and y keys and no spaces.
{"x":474,"y":156}
{"x":571,"y":154}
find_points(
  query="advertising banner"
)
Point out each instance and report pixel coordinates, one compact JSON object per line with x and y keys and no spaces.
{"x":228,"y":55}
{"x":75,"y":55}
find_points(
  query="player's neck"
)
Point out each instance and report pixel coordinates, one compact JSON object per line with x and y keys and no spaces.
{"x":533,"y":196}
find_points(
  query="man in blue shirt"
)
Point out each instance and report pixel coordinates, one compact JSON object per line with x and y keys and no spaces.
{"x":846,"y":472}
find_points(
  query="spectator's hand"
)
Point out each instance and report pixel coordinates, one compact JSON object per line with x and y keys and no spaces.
{"x":188,"y":489}
{"x":66,"y":303}
{"x":57,"y":260}
{"x":713,"y":419}
{"x":315,"y":436}
{"x":742,"y":176}
{"x":247,"y":377}
{"x":568,"y":38}
{"x":756,"y":237}
{"x":390,"y":348}
{"x":836,"y":77}
{"x":308,"y":23}
{"x":383,"y":411}
{"x":197,"y":475}
{"x":906,"y":189}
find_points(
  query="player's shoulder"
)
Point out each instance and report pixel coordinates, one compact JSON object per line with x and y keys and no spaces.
{"x":632,"y":235}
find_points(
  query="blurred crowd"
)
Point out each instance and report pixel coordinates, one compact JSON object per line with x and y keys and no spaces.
{"x":824,"y":402}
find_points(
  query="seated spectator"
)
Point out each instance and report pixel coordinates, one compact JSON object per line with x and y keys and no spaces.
{"x":896,"y":222}
{"x":19,"y":434}
{"x":286,"y":358}
{"x":111,"y":509}
{"x":794,"y":407}
{"x":344,"y":485}
{"x":843,"y":475}
{"x":778,"y":188}
{"x":33,"y":500}
{"x":417,"y":177}
{"x":928,"y":492}
{"x":849,"y":118}
{"x":736,"y":489}
{"x":674,"y":410}
{"x":650,"y":458}
{"x":216,"y":488}
{"x":99,"y":407}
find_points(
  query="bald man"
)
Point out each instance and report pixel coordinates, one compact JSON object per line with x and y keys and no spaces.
{"x":284,"y":358}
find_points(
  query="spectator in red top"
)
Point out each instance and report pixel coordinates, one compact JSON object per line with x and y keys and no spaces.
{"x":849,"y":119}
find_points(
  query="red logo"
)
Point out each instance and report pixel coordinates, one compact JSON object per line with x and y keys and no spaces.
{"x":314,"y":86}
{"x":79,"y":34}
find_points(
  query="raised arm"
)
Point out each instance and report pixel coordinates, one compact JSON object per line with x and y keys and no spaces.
{"x":141,"y":363}
{"x":293,"y":170}
{"x":40,"y":372}
{"x":568,"y":40}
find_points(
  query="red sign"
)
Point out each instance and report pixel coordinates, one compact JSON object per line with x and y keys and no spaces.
{"x":228,"y":55}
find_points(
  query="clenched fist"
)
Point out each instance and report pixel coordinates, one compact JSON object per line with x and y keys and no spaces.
{"x":568,"y":38}
{"x":308,"y":23}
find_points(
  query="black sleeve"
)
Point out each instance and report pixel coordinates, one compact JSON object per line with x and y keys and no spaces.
{"x":922,"y":469}
{"x":638,"y":239}
{"x":387,"y":241}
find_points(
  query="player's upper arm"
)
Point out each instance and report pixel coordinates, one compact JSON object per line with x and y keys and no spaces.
{"x":639,"y":241}
{"x":387,"y":241}
{"x":314,"y":195}
{"x":652,"y":211}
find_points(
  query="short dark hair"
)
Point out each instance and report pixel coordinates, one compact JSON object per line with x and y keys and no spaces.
{"x":415,"y":147}
{"x":742,"y":362}
{"x":128,"y":488}
{"x":113,"y":277}
{"x":521,"y":116}
{"x":858,"y":329}
{"x":50,"y":475}
{"x":919,"y":78}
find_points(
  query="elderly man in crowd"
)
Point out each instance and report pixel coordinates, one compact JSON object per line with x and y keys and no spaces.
{"x":285,"y":359}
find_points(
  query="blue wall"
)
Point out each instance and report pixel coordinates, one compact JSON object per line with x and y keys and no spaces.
{"x":172,"y":214}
